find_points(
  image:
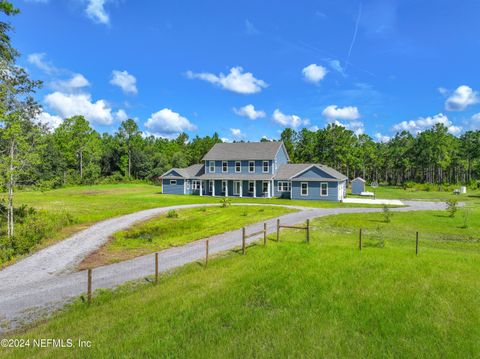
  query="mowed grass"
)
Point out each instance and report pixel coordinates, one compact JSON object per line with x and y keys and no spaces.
{"x":293,"y":299}
{"x":178,"y":228}
{"x":395,"y":192}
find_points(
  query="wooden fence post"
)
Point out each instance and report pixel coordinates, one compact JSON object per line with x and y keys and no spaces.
{"x":89,"y":286}
{"x":206,"y":253}
{"x":308,"y":231}
{"x":360,"y":240}
{"x":265,"y":233}
{"x":278,"y":230}
{"x":416,"y":245}
{"x":156,"y":268}
{"x":243,"y":240}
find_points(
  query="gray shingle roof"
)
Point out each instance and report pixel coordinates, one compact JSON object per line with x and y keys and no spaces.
{"x":188,"y":172}
{"x":237,"y":176}
{"x":243,"y":151}
{"x":290,"y":170}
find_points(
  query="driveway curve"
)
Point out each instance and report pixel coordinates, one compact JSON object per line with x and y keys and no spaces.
{"x":46,"y":280}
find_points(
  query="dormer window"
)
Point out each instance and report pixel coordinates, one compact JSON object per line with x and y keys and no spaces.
{"x":224,"y":167}
{"x":238,"y":167}
{"x":211,"y":166}
{"x":251,"y":167}
{"x":266,"y":167}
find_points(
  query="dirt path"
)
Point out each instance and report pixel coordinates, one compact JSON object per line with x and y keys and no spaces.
{"x":46,"y":280}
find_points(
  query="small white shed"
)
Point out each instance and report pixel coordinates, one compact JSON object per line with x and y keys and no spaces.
{"x":358,"y":185}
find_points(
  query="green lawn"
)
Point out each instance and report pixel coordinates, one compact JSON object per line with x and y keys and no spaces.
{"x":394,"y":192}
{"x":292,"y":299}
{"x":166,"y":231}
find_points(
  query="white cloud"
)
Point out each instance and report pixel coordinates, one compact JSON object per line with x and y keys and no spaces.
{"x":52,"y":121}
{"x":461,"y":98}
{"x":124,"y":80}
{"x":250,"y":29}
{"x":381,"y":138}
{"x":237,"y":133}
{"x":166,"y":123}
{"x":337,"y":66}
{"x":334,"y":112}
{"x":76,"y":82}
{"x":68,"y":105}
{"x":314,"y":73}
{"x":121,"y":115}
{"x":236,"y":80}
{"x":96,"y":11}
{"x":224,"y":139}
{"x":476,"y":117}
{"x":424,"y":123}
{"x":250,"y":112}
{"x":292,"y":121}
{"x":38,"y":59}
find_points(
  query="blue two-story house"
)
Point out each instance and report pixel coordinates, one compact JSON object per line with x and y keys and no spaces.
{"x":255,"y":169}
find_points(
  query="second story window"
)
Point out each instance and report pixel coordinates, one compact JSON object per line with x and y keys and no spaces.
{"x":251,"y":166}
{"x":238,"y":167}
{"x":266,"y":167}
{"x":211,"y":166}
{"x":224,"y":166}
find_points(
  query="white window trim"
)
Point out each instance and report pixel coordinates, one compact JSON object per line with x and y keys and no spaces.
{"x":210,"y":166}
{"x":223,"y":168}
{"x":210,"y":186}
{"x":249,"y":163}
{"x":195,"y":185}
{"x":279,"y":186}
{"x":188,"y":184}
{"x":240,"y":170}
{"x":253,"y":188}
{"x":224,"y":186}
{"x":301,"y":189}
{"x":173,"y":181}
{"x":284,"y":186}
{"x":321,"y":184}
{"x":263,"y":186}
{"x":235,"y":189}
{"x":263,"y":167}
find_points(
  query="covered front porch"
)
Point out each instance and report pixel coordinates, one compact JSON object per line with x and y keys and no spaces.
{"x":233,"y":188}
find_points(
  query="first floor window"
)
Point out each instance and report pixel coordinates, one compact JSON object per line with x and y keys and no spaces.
{"x":266,"y":167}
{"x":224,"y":166}
{"x":173,"y":181}
{"x":323,"y":189}
{"x":236,"y":187}
{"x":251,"y":166}
{"x":283,"y":186}
{"x":238,"y":167}
{"x":211,"y":166}
{"x":195,"y":185}
{"x":265,"y":187}
{"x":188,"y":184}
{"x":224,"y":186}
{"x":304,"y":189}
{"x":210,"y":186}
{"x":251,"y":186}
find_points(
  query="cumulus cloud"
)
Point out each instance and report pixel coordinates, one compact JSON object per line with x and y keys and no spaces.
{"x":121,"y":115}
{"x":337,"y":66}
{"x":250,"y":112}
{"x":68,"y":105}
{"x":381,"y":138}
{"x":237,"y":133}
{"x":292,"y":121}
{"x":76,"y":82}
{"x":52,"y":121}
{"x":236,"y":81}
{"x":356,"y":126}
{"x":166,"y":123}
{"x":38,"y":60}
{"x":96,"y":11}
{"x":124,"y":80}
{"x":461,"y":98}
{"x":424,"y":123}
{"x":334,"y":112}
{"x":314,"y":73}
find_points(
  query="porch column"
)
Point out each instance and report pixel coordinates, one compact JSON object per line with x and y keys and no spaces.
{"x":201,"y":188}
{"x":268,"y":189}
{"x":213,"y":188}
{"x":226,"y":188}
{"x":254,"y":189}
{"x":241,"y":188}
{"x":184,"y":186}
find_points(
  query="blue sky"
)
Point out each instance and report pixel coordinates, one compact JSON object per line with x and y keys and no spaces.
{"x":249,"y":69}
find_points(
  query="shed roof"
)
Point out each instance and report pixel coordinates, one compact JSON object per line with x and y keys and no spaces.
{"x":359,"y":179}
{"x":244,"y":151}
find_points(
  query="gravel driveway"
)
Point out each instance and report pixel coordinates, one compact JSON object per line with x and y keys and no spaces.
{"x":46,"y":280}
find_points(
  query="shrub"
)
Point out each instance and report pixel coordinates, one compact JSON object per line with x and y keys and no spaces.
{"x":225,"y":202}
{"x":387,"y":214}
{"x":452,"y":207}
{"x":172,"y":214}
{"x":244,"y":213}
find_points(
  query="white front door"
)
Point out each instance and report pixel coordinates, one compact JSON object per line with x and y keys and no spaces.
{"x":236,"y":188}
